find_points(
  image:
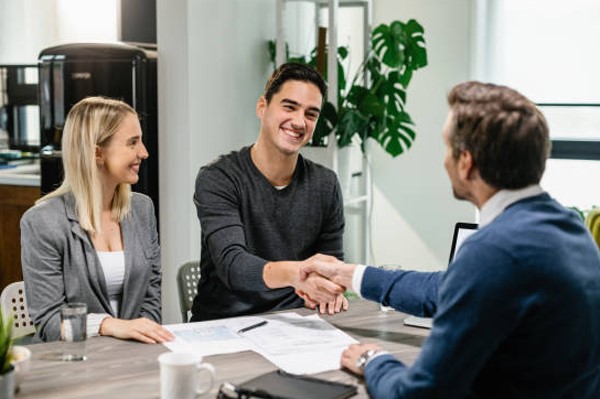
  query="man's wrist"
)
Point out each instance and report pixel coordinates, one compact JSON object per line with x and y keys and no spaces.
{"x":364,"y":358}
{"x":281,"y":274}
{"x":357,"y":277}
{"x":368,"y":356}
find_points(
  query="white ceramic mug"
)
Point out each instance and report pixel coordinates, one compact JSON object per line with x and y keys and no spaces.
{"x":180,"y":376}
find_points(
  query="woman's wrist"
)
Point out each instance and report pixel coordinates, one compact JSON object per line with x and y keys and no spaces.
{"x":105,"y":325}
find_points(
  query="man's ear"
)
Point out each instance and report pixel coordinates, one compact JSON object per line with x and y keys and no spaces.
{"x":261,"y":106}
{"x":466,"y":166}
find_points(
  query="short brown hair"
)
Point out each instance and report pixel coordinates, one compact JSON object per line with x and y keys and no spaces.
{"x":293,"y":71}
{"x":504,"y":131}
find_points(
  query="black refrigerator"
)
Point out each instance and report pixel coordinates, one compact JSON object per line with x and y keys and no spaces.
{"x":71,"y":72}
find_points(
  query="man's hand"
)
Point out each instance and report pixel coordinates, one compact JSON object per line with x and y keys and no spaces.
{"x":329,"y":267}
{"x":352,"y":353}
{"x":298,"y":274}
{"x":142,"y":329}
{"x":340,"y":303}
{"x":318,"y":289}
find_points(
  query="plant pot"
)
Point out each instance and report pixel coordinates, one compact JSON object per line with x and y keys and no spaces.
{"x":7,"y":384}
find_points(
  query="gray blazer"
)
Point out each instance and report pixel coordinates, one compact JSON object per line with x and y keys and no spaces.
{"x":60,"y":264}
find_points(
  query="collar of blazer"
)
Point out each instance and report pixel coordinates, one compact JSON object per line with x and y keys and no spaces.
{"x":71,"y":212}
{"x":131,"y":245}
{"x":91,"y":261}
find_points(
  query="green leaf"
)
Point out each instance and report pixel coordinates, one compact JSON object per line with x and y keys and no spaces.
{"x":350,"y":124}
{"x":415,"y":45}
{"x":272,"y":51}
{"x":372,"y":105}
{"x":578,"y":211}
{"x":5,"y":343}
{"x":299,"y":60}
{"x":355,"y":95}
{"x":412,"y":28}
{"x":342,"y":52}
{"x":373,"y":66}
{"x":328,"y":120}
{"x":388,"y":43}
{"x":398,"y":136}
{"x":341,"y":83}
{"x":394,"y":94}
{"x":341,"y":72}
{"x":405,"y":78}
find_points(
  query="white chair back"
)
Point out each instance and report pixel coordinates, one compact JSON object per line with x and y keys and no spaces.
{"x":14,"y":304}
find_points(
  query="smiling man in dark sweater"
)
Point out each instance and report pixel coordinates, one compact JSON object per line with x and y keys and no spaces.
{"x":265,"y":211}
{"x":517,"y":314}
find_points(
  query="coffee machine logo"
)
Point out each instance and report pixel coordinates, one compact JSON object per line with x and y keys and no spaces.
{"x":81,"y":75}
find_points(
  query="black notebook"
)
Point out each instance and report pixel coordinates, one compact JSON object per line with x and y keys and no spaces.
{"x":281,"y":385}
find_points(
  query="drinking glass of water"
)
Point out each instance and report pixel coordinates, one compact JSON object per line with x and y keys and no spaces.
{"x":73,"y":331}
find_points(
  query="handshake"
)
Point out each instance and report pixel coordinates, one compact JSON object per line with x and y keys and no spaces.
{"x":322,"y":281}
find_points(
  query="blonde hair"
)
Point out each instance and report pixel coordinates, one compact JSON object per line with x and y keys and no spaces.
{"x":91,"y":122}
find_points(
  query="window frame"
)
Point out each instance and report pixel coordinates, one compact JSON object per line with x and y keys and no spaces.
{"x":588,"y":150}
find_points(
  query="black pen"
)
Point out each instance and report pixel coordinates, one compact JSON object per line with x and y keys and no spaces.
{"x":253,"y":326}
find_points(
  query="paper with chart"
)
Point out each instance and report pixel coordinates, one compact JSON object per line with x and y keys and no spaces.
{"x":213,"y":337}
{"x":301,"y":345}
{"x":296,"y":344}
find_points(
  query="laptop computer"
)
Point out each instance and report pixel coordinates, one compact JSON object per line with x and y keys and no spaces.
{"x":461,"y":232}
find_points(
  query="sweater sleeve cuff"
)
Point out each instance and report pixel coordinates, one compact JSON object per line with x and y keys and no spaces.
{"x":93,"y":323}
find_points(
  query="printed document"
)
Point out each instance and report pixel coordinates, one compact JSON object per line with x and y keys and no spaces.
{"x":297,"y":344}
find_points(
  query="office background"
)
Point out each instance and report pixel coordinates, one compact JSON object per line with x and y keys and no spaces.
{"x":213,"y":64}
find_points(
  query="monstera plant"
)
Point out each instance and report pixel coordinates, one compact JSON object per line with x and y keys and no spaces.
{"x":373,"y":103}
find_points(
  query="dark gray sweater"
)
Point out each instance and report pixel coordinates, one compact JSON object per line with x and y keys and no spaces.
{"x":246,"y":222}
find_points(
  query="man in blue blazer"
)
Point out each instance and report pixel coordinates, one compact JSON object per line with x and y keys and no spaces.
{"x":517,"y":314}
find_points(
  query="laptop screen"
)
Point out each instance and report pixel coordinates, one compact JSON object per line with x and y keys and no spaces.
{"x":461,"y":232}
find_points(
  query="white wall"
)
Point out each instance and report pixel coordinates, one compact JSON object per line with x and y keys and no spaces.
{"x":414,"y":210}
{"x":212,"y":67}
{"x":174,"y":142}
{"x":28,"y":26}
{"x":86,"y":20}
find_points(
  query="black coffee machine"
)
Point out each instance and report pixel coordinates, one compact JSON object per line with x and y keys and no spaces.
{"x":71,"y":72}
{"x":19,"y":111}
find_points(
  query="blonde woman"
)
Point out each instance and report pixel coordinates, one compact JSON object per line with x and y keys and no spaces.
{"x":92,"y":240}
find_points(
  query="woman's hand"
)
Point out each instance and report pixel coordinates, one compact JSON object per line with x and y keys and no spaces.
{"x":142,"y":329}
